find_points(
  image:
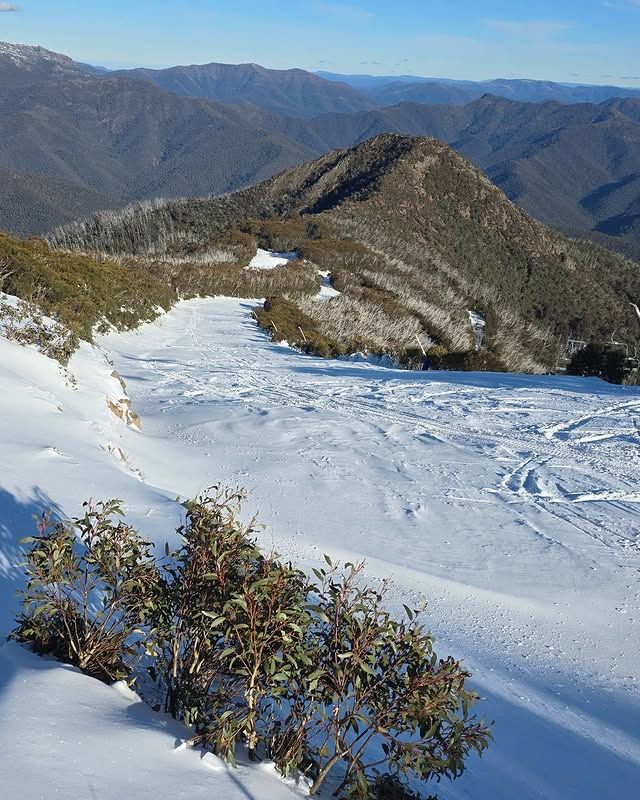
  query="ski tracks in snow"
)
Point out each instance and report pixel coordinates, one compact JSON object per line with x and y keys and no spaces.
{"x":509,"y":502}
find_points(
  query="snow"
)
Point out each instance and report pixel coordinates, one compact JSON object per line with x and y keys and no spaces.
{"x":327,"y":292}
{"x":267,"y":259}
{"x":509,"y":502}
{"x":29,"y":55}
{"x":74,"y":737}
{"x":478,"y":325}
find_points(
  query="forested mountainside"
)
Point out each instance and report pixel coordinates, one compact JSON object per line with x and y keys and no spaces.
{"x":573,"y":166}
{"x":410,"y":230}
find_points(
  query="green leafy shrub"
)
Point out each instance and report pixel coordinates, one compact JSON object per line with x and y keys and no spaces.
{"x":230,"y":626}
{"x":246,"y":649}
{"x":90,"y":585}
{"x":377,"y":694}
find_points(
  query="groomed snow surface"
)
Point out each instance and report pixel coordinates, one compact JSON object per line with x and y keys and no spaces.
{"x":511,"y":503}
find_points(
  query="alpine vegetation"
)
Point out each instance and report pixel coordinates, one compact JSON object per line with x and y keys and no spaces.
{"x":246,"y":650}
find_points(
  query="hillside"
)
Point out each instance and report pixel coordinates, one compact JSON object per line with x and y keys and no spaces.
{"x":130,"y":139}
{"x":31,"y":205}
{"x":409,"y":230}
{"x":573,"y":166}
{"x":508,"y":503}
{"x":570,"y":166}
{"x":292,"y":92}
{"x":21,"y":65}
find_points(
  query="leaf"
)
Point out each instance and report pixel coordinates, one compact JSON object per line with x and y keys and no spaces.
{"x":328,"y":560}
{"x":216,"y":618}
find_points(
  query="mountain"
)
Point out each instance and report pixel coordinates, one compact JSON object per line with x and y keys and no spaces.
{"x":292,"y":92}
{"x":130,"y":139}
{"x":571,"y":166}
{"x":22,"y":64}
{"x":416,"y":237}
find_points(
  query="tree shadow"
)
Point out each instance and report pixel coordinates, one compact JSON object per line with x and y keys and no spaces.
{"x":17,"y":521}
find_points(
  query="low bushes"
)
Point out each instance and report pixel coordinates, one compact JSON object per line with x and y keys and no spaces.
{"x":23,"y":323}
{"x":81,"y":291}
{"x":246,"y":649}
{"x":89,"y":585}
{"x":284,"y":320}
{"x":466,"y":360}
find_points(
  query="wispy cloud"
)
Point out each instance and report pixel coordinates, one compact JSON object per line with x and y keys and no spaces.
{"x":9,"y":7}
{"x":532,"y":28}
{"x":345,"y":10}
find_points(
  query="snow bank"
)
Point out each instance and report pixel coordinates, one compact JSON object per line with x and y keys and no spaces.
{"x":327,"y":292}
{"x":69,"y":736}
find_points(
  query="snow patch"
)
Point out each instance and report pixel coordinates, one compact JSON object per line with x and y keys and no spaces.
{"x":327,"y":292}
{"x":267,"y":259}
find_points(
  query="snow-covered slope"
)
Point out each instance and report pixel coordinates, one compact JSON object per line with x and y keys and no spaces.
{"x":65,"y":735}
{"x":509,"y":502}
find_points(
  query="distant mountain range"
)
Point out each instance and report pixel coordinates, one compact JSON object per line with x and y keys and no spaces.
{"x":108,"y":138}
{"x":292,"y":92}
{"x":390,"y":90}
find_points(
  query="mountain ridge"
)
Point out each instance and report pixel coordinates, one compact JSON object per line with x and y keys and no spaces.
{"x":571,"y":166}
{"x":409,"y":228}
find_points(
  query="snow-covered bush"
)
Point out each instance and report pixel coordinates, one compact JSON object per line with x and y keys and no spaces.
{"x":24,"y":323}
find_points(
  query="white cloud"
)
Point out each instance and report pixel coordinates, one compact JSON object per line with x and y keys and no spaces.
{"x":9,"y":7}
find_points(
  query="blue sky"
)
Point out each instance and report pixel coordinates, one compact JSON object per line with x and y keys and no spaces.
{"x":591,"y":41}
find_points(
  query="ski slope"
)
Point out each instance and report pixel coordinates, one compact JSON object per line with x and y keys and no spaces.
{"x":511,"y":503}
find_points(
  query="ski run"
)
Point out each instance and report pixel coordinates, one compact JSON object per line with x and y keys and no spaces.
{"x":511,"y":503}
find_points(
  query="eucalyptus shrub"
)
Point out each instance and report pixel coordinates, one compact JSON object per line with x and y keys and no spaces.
{"x":379,"y":696}
{"x":243,"y":648}
{"x":231,"y":626}
{"x":90,"y":587}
